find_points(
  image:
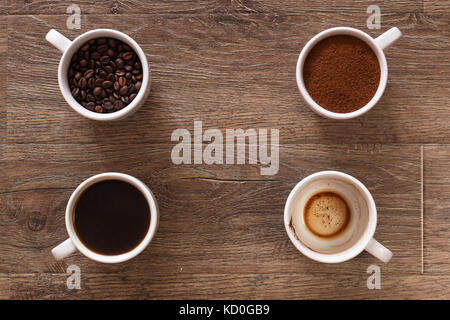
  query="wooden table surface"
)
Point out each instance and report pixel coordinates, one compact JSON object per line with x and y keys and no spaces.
{"x":231,"y":64}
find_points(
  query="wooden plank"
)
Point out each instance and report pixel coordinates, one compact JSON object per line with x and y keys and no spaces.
{"x":223,"y":286}
{"x":3,"y":8}
{"x":214,"y":219}
{"x":269,"y":7}
{"x":437,"y":209}
{"x":435,"y":6}
{"x":232,"y":72}
{"x":3,"y":79}
{"x":232,"y":65}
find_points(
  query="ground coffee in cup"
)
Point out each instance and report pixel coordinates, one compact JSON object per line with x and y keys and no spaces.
{"x":341,"y":73}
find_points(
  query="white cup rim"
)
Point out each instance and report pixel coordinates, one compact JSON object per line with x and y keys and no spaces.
{"x":381,"y":60}
{"x":154,"y":217}
{"x":349,"y":253}
{"x":64,"y":83}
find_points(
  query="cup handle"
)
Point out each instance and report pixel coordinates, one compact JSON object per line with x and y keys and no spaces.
{"x":379,"y":251}
{"x":64,"y":249}
{"x":388,"y":38}
{"x":58,"y":40}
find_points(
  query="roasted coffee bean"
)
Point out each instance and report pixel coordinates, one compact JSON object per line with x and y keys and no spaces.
{"x":102,"y":48}
{"x":82,"y":83}
{"x":102,"y":74}
{"x":122,"y":81}
{"x":108,"y":69}
{"x":88,"y":74}
{"x":105,"y":60}
{"x":127,"y":56}
{"x":112,"y":42}
{"x":123,"y":91}
{"x":97,"y":91}
{"x":105,"y":75}
{"x":90,"y":98}
{"x":107,"y":84}
{"x":98,"y":82}
{"x":119,"y":63}
{"x":118,"y":105}
{"x":96,"y":55}
{"x":91,"y":83}
{"x":90,"y":106}
{"x":108,"y":105}
{"x":75,"y":92}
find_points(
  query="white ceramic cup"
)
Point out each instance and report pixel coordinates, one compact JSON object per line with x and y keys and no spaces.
{"x":68,"y":48}
{"x":377,"y":45}
{"x":357,"y":236}
{"x":73,"y":244}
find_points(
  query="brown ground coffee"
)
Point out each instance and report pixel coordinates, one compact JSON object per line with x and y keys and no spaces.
{"x":341,"y":73}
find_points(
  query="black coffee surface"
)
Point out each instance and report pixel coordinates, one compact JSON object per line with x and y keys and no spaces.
{"x":112,"y":217}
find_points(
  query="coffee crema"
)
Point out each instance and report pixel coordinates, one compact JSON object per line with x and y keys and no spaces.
{"x":326,"y":214}
{"x":112,"y":217}
{"x":341,"y":73}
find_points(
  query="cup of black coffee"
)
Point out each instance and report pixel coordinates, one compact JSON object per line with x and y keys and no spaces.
{"x":110,"y":218}
{"x":103,"y":74}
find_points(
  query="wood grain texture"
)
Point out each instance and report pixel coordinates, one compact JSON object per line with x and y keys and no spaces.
{"x":230,"y":63}
{"x":223,"y":286}
{"x":214,"y":219}
{"x":250,"y":7}
{"x":437,"y":209}
{"x":232,"y":71}
{"x":3,"y":79}
{"x":435,"y":6}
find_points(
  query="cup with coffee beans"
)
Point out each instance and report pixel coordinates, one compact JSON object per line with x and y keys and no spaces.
{"x":110,"y":218}
{"x":342,"y":72}
{"x":103,"y":74}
